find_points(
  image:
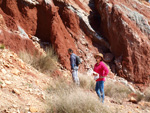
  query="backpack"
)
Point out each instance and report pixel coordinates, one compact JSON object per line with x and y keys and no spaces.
{"x":78,"y":60}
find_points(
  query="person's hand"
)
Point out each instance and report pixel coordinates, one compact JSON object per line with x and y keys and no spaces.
{"x":95,"y":74}
{"x":102,"y":77}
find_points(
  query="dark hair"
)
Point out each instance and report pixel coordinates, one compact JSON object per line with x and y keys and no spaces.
{"x":70,"y":50}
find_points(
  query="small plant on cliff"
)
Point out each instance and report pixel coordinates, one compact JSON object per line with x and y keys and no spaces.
{"x":44,"y":63}
{"x":2,"y":46}
{"x":26,"y":57}
{"x":1,"y":82}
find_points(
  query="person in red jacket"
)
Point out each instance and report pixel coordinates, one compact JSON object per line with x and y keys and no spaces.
{"x":100,"y":70}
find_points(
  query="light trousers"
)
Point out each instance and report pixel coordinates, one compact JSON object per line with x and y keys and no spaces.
{"x":75,"y":75}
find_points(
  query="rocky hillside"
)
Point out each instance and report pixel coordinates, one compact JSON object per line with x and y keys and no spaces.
{"x":23,"y":89}
{"x":120,"y":29}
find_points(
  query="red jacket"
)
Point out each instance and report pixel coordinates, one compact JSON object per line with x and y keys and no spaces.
{"x":102,"y":70}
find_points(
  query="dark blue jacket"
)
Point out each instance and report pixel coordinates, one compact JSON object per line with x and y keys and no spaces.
{"x":73,"y":60}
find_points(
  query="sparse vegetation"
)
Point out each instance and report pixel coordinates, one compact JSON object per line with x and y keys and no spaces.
{"x":139,"y":97}
{"x":44,"y":63}
{"x":2,"y":46}
{"x":1,"y":82}
{"x":147,"y":94}
{"x":65,"y":98}
{"x":145,"y":97}
{"x":87,"y":82}
{"x":26,"y":57}
{"x":117,"y":91}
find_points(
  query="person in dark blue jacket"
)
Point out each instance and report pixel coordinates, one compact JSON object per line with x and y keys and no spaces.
{"x":74,"y":67}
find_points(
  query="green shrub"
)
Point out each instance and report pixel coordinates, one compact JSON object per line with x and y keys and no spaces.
{"x":2,"y":46}
{"x":1,"y":82}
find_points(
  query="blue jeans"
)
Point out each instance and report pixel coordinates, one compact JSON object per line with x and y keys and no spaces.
{"x":75,"y":75}
{"x":100,"y":90}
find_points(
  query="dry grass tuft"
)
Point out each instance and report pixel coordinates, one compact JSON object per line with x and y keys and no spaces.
{"x":87,"y":82}
{"x":116,"y":90}
{"x":65,"y":98}
{"x":147,"y":94}
{"x":45,"y":64}
{"x":139,"y":97}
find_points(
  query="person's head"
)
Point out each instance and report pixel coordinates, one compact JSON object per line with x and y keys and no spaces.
{"x":98,"y":57}
{"x":70,"y":51}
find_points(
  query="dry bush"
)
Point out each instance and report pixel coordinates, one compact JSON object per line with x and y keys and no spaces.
{"x":87,"y":82}
{"x":116,"y":90}
{"x":60,"y":83}
{"x":65,"y":98}
{"x":26,"y":57}
{"x":77,"y":101}
{"x":45,"y":63}
{"x":139,"y":97}
{"x":147,"y":94}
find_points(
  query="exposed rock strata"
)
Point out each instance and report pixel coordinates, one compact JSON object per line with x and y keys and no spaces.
{"x":126,"y":24}
{"x":71,"y":24}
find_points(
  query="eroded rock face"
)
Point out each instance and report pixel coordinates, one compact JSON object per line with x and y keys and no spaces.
{"x":74,"y":24}
{"x":15,"y":40}
{"x":63,"y":23}
{"x":126,"y":24}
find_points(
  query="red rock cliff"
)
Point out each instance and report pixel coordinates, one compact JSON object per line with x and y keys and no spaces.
{"x":76,"y":24}
{"x":63,"y":23}
{"x":126,"y":24}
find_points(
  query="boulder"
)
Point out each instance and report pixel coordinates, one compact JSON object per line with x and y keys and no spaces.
{"x":133,"y":100}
